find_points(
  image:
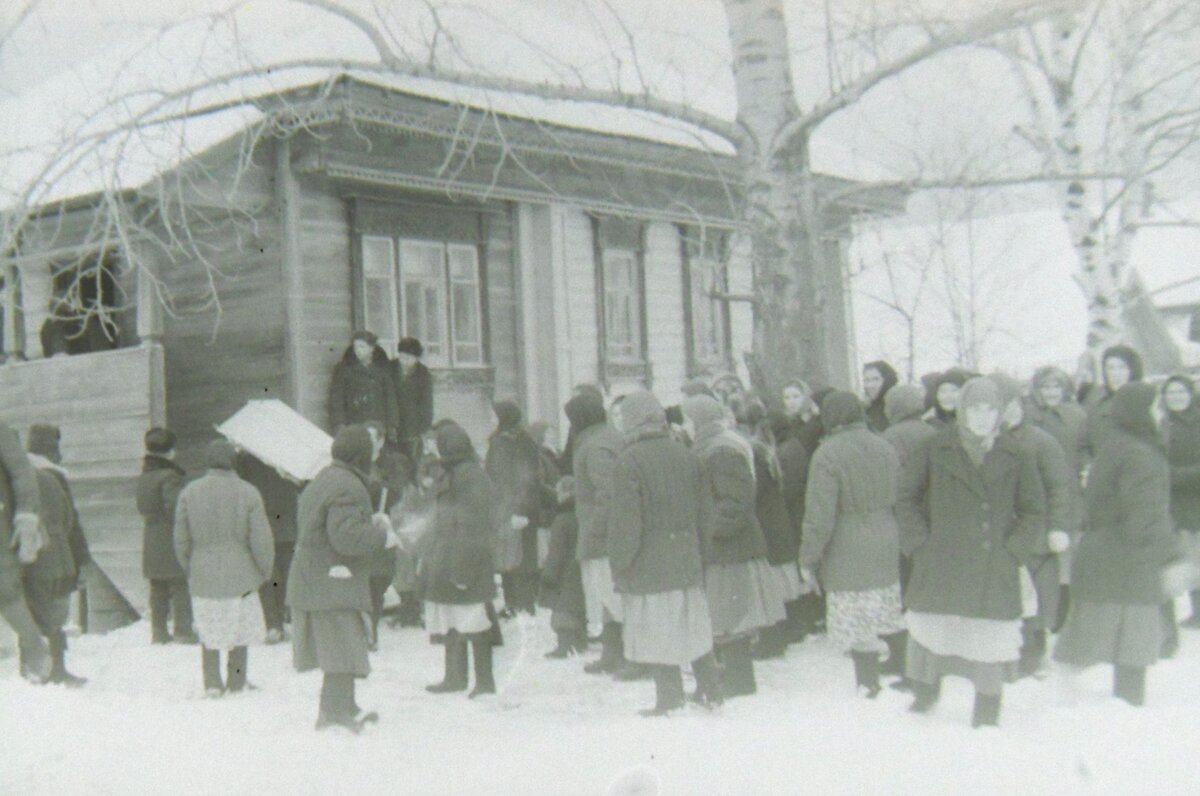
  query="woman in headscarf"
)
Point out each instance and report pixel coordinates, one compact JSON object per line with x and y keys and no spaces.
{"x":1183,"y":454}
{"x":224,"y":544}
{"x":458,"y":566}
{"x":944,"y":397}
{"x":660,"y":508}
{"x":795,"y":450}
{"x":327,"y":587}
{"x":1116,"y":614}
{"x":742,"y":594}
{"x":878,"y":378}
{"x":970,"y":508}
{"x":513,"y":463}
{"x":1120,"y":365}
{"x":851,"y":537}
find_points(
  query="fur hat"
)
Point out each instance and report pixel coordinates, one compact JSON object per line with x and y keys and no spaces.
{"x":410,"y":345}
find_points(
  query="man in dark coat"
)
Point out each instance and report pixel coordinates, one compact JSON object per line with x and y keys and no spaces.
{"x":50,"y":579}
{"x":279,"y":495}
{"x":362,"y":388}
{"x":327,"y":587}
{"x":414,"y":398}
{"x":158,"y":489}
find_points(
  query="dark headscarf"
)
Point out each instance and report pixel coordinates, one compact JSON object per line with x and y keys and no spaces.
{"x":220,"y":455}
{"x":1178,"y":378}
{"x":955,"y":376}
{"x":841,"y":408}
{"x":585,"y":411}
{"x":352,"y":446}
{"x":508,"y":415}
{"x":1127,"y":355}
{"x":890,"y":378}
{"x":454,"y":445}
{"x":43,"y":440}
{"x":1131,"y":411}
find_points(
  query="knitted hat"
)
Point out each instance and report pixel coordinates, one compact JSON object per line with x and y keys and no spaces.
{"x":980,"y":390}
{"x":410,"y":345}
{"x":363,"y":334}
{"x":839,"y":409}
{"x":159,"y":440}
{"x":641,"y":411}
{"x":904,"y":401}
{"x":220,"y":454}
{"x":703,"y":411}
{"x":353,"y":446}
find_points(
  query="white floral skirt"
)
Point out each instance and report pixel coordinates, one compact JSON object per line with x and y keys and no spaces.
{"x":225,"y":623}
{"x":742,"y":598}
{"x":598,"y":593}
{"x":979,"y":640}
{"x":670,"y":627}
{"x":441,"y":618}
{"x":854,"y":620}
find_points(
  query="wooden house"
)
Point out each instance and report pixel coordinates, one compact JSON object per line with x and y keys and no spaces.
{"x":528,"y":256}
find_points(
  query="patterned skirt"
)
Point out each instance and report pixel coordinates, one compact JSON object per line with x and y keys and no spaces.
{"x":854,"y":620}
{"x":1125,"y":635}
{"x":742,"y":598}
{"x":225,"y":623}
{"x":670,"y":627}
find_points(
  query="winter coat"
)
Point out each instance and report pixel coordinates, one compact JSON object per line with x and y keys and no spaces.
{"x":279,"y":496}
{"x":158,"y":489}
{"x":876,"y":410}
{"x":596,"y":450}
{"x":562,"y":583}
{"x":1098,"y":423}
{"x":360,"y":393}
{"x":222,"y":538}
{"x":793,"y":467}
{"x":907,"y":431}
{"x":18,"y":486}
{"x":64,"y":550}
{"x":414,"y":400}
{"x":459,"y":563}
{"x":1064,"y":499}
{"x":1183,"y":453}
{"x":849,"y":527}
{"x":734,"y":535}
{"x":513,"y":466}
{"x":780,"y":533}
{"x":1067,"y":423}
{"x":391,"y":472}
{"x":661,"y":505}
{"x":335,"y":531}
{"x":969,"y":528}
{"x":1129,"y":537}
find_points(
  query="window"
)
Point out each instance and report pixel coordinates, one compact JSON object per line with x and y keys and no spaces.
{"x":705,"y":282}
{"x":622,"y":306}
{"x":438,"y":300}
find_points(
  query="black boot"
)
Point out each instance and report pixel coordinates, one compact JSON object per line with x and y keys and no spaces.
{"x":410,"y":609}
{"x":668,"y":690}
{"x":897,"y":644}
{"x":1170,"y":644}
{"x":455,"y":678}
{"x":1064,"y":606}
{"x":866,"y":672}
{"x":338,"y":708}
{"x":34,"y":656}
{"x":58,"y":665}
{"x":1033,"y":648}
{"x":772,"y":642}
{"x":1129,"y":684}
{"x":612,"y":654}
{"x":925,"y":696}
{"x":738,"y":669}
{"x":235,"y":667}
{"x":708,"y":681}
{"x":987,"y":710}
{"x":485,"y":681}
{"x":210,"y":662}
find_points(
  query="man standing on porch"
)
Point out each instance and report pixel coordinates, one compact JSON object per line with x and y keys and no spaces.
{"x":414,"y":394}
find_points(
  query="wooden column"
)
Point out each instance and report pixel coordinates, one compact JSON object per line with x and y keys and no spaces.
{"x":36,"y":292}
{"x":287,"y":199}
{"x":12,"y":306}
{"x":149,"y":307}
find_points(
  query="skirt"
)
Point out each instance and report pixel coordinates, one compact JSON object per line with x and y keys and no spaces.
{"x":225,"y":623}
{"x":856,"y":619}
{"x":926,"y":666}
{"x":981,"y":640}
{"x":1124,"y":635}
{"x":742,"y":598}
{"x":670,"y":627}
{"x":442,"y":618}
{"x":787,"y":581}
{"x":333,"y":641}
{"x":598,"y":594}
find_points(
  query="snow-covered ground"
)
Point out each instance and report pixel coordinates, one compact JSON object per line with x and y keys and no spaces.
{"x":142,"y":726}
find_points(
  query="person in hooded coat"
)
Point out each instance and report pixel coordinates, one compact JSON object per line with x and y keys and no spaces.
{"x":851,"y":539}
{"x":1116,"y":614}
{"x":1183,"y":455}
{"x":223,"y":542}
{"x":943,"y":396}
{"x":1119,"y":365}
{"x":742,"y":593}
{"x":878,"y":379}
{"x":458,"y":566}
{"x":566,"y":459}
{"x":562,"y":585}
{"x":660,"y":507}
{"x":596,"y":448}
{"x":1064,"y":515}
{"x":51,"y":578}
{"x":513,"y":464}
{"x":971,"y":508}
{"x":158,"y":489}
{"x":808,"y":611}
{"x":327,"y":587}
{"x":362,"y":388}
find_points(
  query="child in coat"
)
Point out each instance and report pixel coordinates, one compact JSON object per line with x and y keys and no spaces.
{"x":562,"y":583}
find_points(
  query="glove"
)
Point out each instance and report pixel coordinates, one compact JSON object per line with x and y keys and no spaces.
{"x":340,"y":572}
{"x":519,"y":523}
{"x":1058,"y":541}
{"x":27,"y":538}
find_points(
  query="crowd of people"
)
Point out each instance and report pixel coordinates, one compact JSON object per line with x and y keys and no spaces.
{"x":941,"y":529}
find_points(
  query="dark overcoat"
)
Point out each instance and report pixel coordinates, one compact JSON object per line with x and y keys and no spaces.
{"x":458,"y":566}
{"x":158,"y":489}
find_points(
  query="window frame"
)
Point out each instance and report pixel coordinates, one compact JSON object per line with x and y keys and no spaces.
{"x":614,"y":235}
{"x":696,"y":252}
